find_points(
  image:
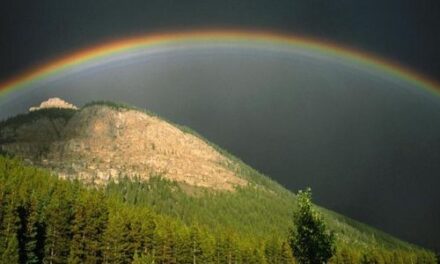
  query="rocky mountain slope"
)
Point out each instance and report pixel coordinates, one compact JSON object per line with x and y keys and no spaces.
{"x":102,"y":142}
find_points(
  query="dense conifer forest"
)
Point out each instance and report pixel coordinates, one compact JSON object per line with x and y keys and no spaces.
{"x":47,"y":220}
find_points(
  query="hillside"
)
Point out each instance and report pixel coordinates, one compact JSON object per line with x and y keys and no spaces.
{"x":143,"y":163}
{"x":99,"y":143}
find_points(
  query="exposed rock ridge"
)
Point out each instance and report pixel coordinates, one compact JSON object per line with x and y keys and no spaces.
{"x":54,"y":102}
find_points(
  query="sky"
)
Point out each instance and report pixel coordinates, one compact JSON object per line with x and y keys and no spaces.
{"x":365,"y":170}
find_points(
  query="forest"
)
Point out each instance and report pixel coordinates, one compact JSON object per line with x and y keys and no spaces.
{"x":44,"y":219}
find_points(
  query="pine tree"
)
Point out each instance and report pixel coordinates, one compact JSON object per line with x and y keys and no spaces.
{"x":8,"y":229}
{"x":31,"y":235}
{"x":226,"y":248}
{"x":273,"y":251}
{"x":258,"y":255}
{"x":425,"y":258}
{"x":10,"y":253}
{"x":150,"y":237}
{"x":183,"y":246}
{"x":310,"y":241}
{"x":88,"y":226}
{"x":59,"y":217}
{"x":196,"y":247}
{"x":166,"y":246}
{"x":344,"y":256}
{"x":30,"y":232}
{"x":286,"y":254}
{"x":137,"y":233}
{"x":116,"y":240}
{"x":372,"y":257}
{"x":143,"y":259}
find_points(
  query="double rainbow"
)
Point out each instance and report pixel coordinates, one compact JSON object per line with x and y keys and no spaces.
{"x":212,"y":37}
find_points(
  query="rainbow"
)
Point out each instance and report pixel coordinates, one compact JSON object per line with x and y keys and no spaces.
{"x":211,"y":37}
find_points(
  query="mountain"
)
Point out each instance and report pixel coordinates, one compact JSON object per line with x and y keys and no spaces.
{"x":137,"y":163}
{"x":101,"y":142}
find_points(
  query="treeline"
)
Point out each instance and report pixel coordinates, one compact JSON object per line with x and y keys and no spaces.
{"x":47,"y":220}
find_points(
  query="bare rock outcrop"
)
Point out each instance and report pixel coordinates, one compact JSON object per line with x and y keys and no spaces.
{"x":54,"y":102}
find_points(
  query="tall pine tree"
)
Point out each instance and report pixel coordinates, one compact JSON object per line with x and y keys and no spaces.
{"x":88,"y":226}
{"x":310,"y":241}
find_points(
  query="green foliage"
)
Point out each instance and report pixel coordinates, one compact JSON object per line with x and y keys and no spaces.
{"x":83,"y":225}
{"x":345,"y":255}
{"x":88,"y":226}
{"x":9,"y":223}
{"x":47,"y":220}
{"x":216,"y":210}
{"x":311,"y":242}
{"x":59,"y":217}
{"x":143,"y":259}
{"x":9,"y":254}
{"x":372,"y":257}
{"x":286,"y":254}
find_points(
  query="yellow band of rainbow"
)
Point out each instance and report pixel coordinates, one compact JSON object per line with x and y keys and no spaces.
{"x":216,"y":36}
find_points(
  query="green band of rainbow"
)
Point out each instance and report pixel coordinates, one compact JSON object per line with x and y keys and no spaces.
{"x":215,"y":36}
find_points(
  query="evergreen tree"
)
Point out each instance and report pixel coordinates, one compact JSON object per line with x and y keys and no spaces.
{"x":117,"y":240}
{"x":196,"y":247}
{"x":9,"y":254}
{"x":310,"y":241}
{"x":136,"y":234}
{"x":8,"y":229}
{"x":89,"y":223}
{"x":344,"y":256}
{"x":226,"y":249}
{"x":183,"y":246}
{"x":31,"y":232}
{"x":424,"y":257}
{"x":372,"y":257}
{"x":166,"y":246}
{"x":150,"y":237}
{"x":286,"y":254}
{"x":258,"y":255}
{"x":59,"y":218}
{"x":273,"y":251}
{"x":143,"y":259}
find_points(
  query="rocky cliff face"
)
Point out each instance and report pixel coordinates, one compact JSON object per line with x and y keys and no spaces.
{"x":99,"y":143}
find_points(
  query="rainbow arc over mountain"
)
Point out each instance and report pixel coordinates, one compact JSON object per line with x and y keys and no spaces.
{"x":211,"y":37}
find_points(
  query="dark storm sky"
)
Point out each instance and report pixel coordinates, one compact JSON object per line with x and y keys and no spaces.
{"x":32,"y":32}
